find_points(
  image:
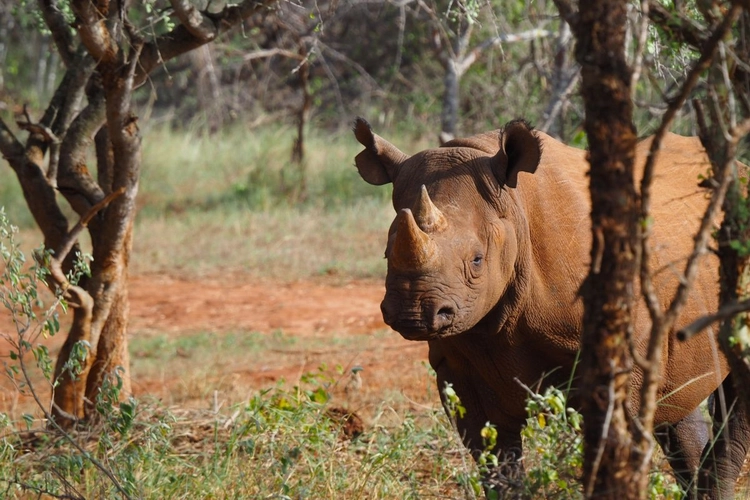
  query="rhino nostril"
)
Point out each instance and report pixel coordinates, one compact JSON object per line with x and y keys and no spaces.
{"x":446,"y":313}
{"x":443,"y":318}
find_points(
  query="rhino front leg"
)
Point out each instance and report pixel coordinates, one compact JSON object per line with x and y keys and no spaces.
{"x":506,"y":479}
{"x":725,"y":453}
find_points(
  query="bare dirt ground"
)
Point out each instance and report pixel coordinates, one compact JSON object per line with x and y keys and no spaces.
{"x":323,"y":322}
{"x":280,"y":331}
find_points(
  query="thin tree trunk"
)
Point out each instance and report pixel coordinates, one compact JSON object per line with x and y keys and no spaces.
{"x":449,"y":113}
{"x":609,"y":470}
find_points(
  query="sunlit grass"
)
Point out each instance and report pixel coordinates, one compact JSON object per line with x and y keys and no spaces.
{"x":233,"y":201}
{"x":286,"y":243}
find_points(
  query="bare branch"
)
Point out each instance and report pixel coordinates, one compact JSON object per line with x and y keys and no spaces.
{"x":181,"y":40}
{"x":662,"y":322}
{"x":523,"y":36}
{"x":75,"y":295}
{"x":37,"y":128}
{"x":681,"y":27}
{"x":567,"y":12}
{"x":729,"y":310}
{"x":38,"y":193}
{"x":10,"y":147}
{"x":640,"y":46}
{"x":58,"y":26}
{"x":261,"y":54}
{"x":65,"y":105}
{"x":93,"y":30}
{"x":193,"y":20}
{"x":73,"y":178}
{"x":675,"y":104}
{"x":354,"y":64}
{"x":553,"y":109}
{"x":700,"y":324}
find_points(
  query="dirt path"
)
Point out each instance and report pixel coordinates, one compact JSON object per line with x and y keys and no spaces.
{"x":160,"y":303}
{"x":320,"y":323}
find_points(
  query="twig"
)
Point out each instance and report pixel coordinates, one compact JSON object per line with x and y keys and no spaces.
{"x":554,"y":109}
{"x":647,"y":288}
{"x":50,"y":419}
{"x":726,"y":312}
{"x":193,"y":20}
{"x":67,"y":244}
{"x":37,"y":128}
{"x":603,"y":438}
{"x":729,"y":310}
{"x":639,"y":48}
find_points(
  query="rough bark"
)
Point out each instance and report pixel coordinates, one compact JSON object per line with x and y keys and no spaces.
{"x":600,"y":29}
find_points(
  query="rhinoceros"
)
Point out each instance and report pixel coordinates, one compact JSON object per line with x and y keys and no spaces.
{"x":486,"y":257}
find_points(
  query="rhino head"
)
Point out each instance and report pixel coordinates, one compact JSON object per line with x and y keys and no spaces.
{"x":453,"y":248}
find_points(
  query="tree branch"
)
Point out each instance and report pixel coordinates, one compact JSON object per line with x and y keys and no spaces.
{"x":564,"y":89}
{"x":681,"y":27}
{"x":181,"y":40}
{"x":48,"y":136}
{"x":700,"y":324}
{"x":662,"y":322}
{"x":640,"y":46}
{"x":65,"y":105}
{"x":91,"y":24}
{"x":709,"y":49}
{"x":73,"y":178}
{"x":193,"y":20}
{"x":38,"y":193}
{"x":61,"y":34}
{"x":10,"y":147}
{"x":567,"y":12}
{"x":77,"y":296}
{"x":729,"y":310}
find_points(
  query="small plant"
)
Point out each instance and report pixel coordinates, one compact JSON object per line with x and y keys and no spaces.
{"x":553,"y":446}
{"x":20,"y":293}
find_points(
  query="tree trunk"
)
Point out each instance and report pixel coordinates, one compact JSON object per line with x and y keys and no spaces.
{"x":104,"y":63}
{"x":449,"y":113}
{"x":608,"y":292}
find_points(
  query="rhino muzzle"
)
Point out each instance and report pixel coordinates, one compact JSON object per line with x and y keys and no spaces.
{"x":414,"y":254}
{"x":426,"y":320}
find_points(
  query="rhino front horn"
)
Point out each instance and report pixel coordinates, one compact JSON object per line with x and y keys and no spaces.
{"x":412,"y":249}
{"x":429,"y":218}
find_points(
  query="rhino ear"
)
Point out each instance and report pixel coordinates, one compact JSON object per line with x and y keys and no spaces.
{"x":520,"y":151}
{"x":379,"y":162}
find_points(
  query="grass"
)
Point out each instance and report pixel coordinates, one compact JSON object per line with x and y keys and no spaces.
{"x":279,"y":444}
{"x":286,"y":243}
{"x":235,"y":202}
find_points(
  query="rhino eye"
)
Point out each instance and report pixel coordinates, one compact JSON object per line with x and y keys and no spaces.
{"x":477,"y":260}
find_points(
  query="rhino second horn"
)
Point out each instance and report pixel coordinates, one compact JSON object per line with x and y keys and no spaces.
{"x":412,"y":249}
{"x":429,"y":218}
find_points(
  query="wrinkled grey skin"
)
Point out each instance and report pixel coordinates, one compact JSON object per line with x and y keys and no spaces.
{"x":485,"y":265}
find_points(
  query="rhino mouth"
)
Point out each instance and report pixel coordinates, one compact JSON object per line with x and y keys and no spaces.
{"x":416,"y":327}
{"x":415,"y":332}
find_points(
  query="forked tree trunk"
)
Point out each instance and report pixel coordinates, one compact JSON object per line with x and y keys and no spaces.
{"x":103,"y":66}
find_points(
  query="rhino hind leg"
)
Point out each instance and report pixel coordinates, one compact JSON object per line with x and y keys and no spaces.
{"x":683,"y":444}
{"x":725,"y":454}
